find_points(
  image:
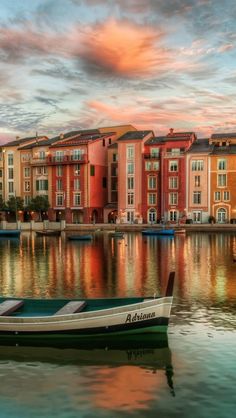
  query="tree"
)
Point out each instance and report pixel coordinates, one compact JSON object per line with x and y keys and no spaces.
{"x":14,"y":204}
{"x":39,"y":204}
{"x":2,"y":204}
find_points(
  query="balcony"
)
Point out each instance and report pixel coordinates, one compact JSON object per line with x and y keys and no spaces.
{"x":37,"y":161}
{"x":151,"y":156}
{"x":66,"y":159}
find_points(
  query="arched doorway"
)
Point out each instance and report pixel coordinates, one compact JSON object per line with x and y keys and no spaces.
{"x":112,"y":216}
{"x":221,"y":216}
{"x":94,"y":217}
{"x":152,"y":216}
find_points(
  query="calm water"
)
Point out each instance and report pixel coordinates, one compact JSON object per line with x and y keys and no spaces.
{"x":190,"y":373}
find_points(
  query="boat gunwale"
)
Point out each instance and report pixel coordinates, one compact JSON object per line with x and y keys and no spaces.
{"x":95,"y":314}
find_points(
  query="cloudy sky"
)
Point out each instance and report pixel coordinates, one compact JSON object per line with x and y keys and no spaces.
{"x":71,"y":64}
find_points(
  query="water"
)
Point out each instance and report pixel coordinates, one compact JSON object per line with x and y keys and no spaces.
{"x":190,"y":373}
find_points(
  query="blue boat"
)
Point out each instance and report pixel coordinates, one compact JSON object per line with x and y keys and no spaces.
{"x":163,"y":231}
{"x":10,"y":233}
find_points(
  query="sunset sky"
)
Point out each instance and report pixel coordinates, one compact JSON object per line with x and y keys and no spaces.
{"x":155,"y":64}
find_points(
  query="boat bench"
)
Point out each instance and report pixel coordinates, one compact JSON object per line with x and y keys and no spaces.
{"x":9,"y":306}
{"x":71,"y":307}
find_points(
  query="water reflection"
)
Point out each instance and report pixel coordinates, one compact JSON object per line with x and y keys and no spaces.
{"x":126,"y":374}
{"x":136,"y":265}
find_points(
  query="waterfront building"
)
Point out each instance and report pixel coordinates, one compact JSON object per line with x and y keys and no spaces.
{"x":172,"y":149}
{"x":223,"y":177}
{"x":78,"y":165}
{"x":130,"y":176}
{"x":198,"y":205}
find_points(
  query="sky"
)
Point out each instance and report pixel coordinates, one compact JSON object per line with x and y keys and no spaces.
{"x":82,"y":64}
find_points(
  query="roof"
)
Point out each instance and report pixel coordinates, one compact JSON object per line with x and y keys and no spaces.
{"x":224,"y":150}
{"x":224,"y":136}
{"x":114,"y":145}
{"x":19,"y":141}
{"x":200,"y":145}
{"x":134,"y":135}
{"x":80,"y":139}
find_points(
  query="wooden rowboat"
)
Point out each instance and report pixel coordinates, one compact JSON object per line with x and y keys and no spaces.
{"x":42,"y":318}
{"x":48,"y":233}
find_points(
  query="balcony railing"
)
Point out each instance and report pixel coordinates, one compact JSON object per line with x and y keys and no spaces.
{"x":66,"y":159}
{"x":37,"y":161}
{"x":151,"y":156}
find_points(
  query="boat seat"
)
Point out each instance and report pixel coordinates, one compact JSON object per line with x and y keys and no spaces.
{"x":71,"y":307}
{"x":9,"y":306}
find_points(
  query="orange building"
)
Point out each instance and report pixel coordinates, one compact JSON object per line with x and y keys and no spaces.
{"x":223,"y":177}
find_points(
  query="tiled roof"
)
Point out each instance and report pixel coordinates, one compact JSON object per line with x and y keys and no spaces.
{"x":80,"y":139}
{"x":134,"y":135}
{"x":155,"y":140}
{"x":224,"y":150}
{"x":19,"y":141}
{"x":200,"y":145}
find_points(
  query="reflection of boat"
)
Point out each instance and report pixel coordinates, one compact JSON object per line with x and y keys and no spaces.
{"x":150,"y":351}
{"x":80,"y":237}
{"x":117,"y":234}
{"x":48,"y":233}
{"x":11,"y":233}
{"x":41,"y":318}
{"x":163,"y":231}
{"x":180,"y":231}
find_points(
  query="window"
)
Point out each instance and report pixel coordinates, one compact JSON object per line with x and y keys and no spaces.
{"x":59,"y":185}
{"x":130,"y":168}
{"x":41,"y":185}
{"x":196,"y":181}
{"x":148,"y":165}
{"x":173,"y":165}
{"x":154,"y":152}
{"x":152,"y":198}
{"x":130,"y":198}
{"x":226,"y":195}
{"x":173,"y":183}
{"x":27,"y":200}
{"x":155,"y":165}
{"x":10,"y":173}
{"x":92,"y":170}
{"x":77,"y":154}
{"x":59,"y":170}
{"x":173,"y":198}
{"x":25,"y":157}
{"x":41,"y":171}
{"x":76,"y":184}
{"x":0,"y":186}
{"x":197,"y":165}
{"x":42,"y":155}
{"x":114,"y":157}
{"x":221,"y":180}
{"x":0,"y":172}
{"x":130,"y":183}
{"x":77,"y":199}
{"x":59,"y":199}
{"x":197,"y":197}
{"x":77,"y":169}
{"x":10,"y":159}
{"x":130,"y":152}
{"x":27,"y":186}
{"x":27,"y":172}
{"x":173,"y":215}
{"x":174,"y":151}
{"x":104,"y":182}
{"x":10,"y":187}
{"x":152,"y":182}
{"x":217,"y":196}
{"x":59,"y":155}
{"x":221,"y":164}
{"x":103,"y":142}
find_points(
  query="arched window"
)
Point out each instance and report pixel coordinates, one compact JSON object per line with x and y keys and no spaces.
{"x":221,"y":215}
{"x":152,"y":215}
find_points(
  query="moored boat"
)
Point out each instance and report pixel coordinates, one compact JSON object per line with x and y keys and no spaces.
{"x":51,"y":318}
{"x":48,"y":233}
{"x":163,"y":231}
{"x":12,"y":233}
{"x":80,"y":237}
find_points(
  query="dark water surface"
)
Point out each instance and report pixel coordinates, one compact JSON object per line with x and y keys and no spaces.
{"x":190,"y":373}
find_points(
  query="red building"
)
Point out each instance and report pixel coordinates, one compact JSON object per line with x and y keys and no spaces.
{"x":79,"y":176}
{"x":167,"y":155}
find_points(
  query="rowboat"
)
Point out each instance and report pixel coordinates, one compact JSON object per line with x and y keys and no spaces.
{"x":11,"y":233}
{"x":80,"y":237}
{"x":48,"y":233}
{"x":163,"y":231}
{"x":57,"y":318}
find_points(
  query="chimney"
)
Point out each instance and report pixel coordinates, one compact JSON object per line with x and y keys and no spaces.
{"x":171,"y":131}
{"x":61,"y":136}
